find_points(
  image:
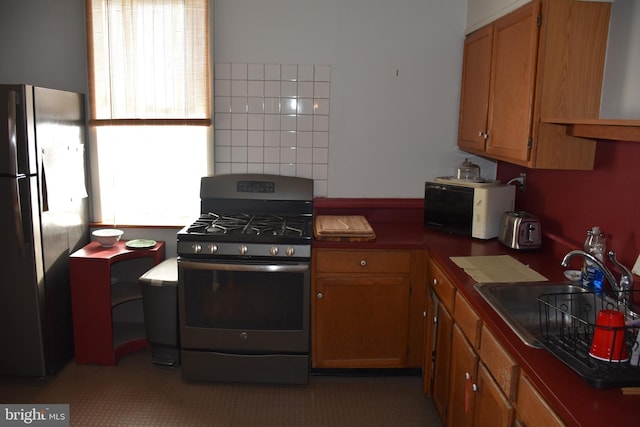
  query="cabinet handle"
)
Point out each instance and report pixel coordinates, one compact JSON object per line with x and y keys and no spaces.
{"x":474,"y":387}
{"x":483,"y":135}
{"x":319,"y":295}
{"x":435,"y":281}
{"x":467,"y":391}
{"x":363,"y":262}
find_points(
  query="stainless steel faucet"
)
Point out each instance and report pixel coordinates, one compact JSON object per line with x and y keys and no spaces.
{"x":622,"y":287}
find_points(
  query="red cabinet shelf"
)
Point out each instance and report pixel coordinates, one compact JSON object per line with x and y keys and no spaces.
{"x":106,"y":300}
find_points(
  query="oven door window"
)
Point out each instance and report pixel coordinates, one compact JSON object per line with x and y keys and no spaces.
{"x":228,"y":299}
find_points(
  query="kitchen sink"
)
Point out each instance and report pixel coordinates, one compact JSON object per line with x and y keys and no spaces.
{"x":518,"y":305}
{"x":561,"y":317}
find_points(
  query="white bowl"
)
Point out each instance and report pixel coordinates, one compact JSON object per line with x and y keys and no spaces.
{"x":107,"y":237}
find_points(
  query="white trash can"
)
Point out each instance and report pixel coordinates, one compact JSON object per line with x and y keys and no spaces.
{"x":160,"y":305}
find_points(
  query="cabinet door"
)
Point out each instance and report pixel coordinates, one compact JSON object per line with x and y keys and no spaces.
{"x":474,"y":97}
{"x":464,"y":367}
{"x":492,"y":408}
{"x":442,"y":359}
{"x":533,"y":410}
{"x":361,"y":322}
{"x":513,"y":73}
{"x":429,"y":343}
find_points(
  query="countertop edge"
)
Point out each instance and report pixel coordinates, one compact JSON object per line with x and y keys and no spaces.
{"x":556,"y":382}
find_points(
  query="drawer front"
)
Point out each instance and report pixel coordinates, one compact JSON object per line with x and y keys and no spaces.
{"x":373,"y":261}
{"x":442,"y":286}
{"x":467,"y":320}
{"x":503,"y":368}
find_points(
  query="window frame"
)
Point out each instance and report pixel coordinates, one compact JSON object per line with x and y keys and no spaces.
{"x":97,"y":211}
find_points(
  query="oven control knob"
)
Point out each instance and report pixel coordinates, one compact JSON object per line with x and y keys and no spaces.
{"x":290,"y":251}
{"x":273,"y":250}
{"x":212,"y":248}
{"x":243,"y":249}
{"x":244,"y":335}
{"x":197,"y":248}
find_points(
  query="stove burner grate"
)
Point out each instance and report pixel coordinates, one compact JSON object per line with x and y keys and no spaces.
{"x":250,"y":224}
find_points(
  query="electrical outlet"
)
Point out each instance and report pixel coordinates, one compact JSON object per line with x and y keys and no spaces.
{"x":636,"y":267}
{"x":521,"y":180}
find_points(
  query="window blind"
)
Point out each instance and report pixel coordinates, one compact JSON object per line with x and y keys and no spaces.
{"x":149,"y":62}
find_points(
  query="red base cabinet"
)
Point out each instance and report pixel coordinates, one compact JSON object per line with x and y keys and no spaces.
{"x":106,"y":300}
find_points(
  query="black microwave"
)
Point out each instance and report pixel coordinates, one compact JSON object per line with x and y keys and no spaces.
{"x":473,"y":210}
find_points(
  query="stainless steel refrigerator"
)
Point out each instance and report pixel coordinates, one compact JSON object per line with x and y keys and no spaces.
{"x":43,"y":218}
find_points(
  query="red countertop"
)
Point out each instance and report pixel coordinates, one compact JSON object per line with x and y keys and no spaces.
{"x":577,"y":403}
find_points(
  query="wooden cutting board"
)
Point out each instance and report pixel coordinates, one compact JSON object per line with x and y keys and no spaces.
{"x":343,"y":228}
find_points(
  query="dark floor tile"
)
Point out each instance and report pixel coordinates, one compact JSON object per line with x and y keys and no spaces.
{"x":137,"y":393}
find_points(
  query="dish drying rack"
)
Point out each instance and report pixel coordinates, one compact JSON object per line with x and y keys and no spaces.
{"x":567,"y":322}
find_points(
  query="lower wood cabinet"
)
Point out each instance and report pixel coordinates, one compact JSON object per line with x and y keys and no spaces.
{"x":463,"y":380}
{"x":532,"y":409}
{"x":474,"y":381}
{"x":492,"y":408}
{"x":366,"y":308}
{"x":475,"y":397}
{"x":441,"y":358}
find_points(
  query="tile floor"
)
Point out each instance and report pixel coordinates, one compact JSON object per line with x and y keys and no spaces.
{"x":136,"y":393}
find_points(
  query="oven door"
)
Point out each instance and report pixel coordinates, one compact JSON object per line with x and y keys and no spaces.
{"x":244,"y":306}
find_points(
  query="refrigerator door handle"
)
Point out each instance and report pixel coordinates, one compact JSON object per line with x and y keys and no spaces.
{"x":13,"y":132}
{"x":17,"y":208}
{"x":13,"y":170}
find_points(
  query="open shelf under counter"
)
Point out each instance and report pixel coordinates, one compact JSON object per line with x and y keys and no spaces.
{"x":106,"y":300}
{"x":611,"y":129}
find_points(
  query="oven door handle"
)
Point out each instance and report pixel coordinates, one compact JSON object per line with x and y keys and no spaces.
{"x":269,"y":268}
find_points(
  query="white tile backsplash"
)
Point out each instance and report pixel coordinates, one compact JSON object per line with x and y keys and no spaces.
{"x":222,"y":88}
{"x":305,"y":73}
{"x":255,"y":138}
{"x":223,"y":71}
{"x":321,"y":90}
{"x":289,"y":72}
{"x":255,"y":105}
{"x":272,"y":105}
{"x":272,"y":89}
{"x":322,"y":73}
{"x":272,"y":72}
{"x":255,"y":88}
{"x":255,"y":72}
{"x":304,"y":123}
{"x":305,"y":89}
{"x":255,"y":155}
{"x":239,"y":88}
{"x":273,"y":118}
{"x":288,"y":89}
{"x":239,"y":71}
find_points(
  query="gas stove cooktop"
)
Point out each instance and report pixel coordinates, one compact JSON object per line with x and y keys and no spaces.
{"x":258,"y":227}
{"x":251,"y":215}
{"x":243,"y":234}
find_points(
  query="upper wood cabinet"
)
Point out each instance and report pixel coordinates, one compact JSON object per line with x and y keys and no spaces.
{"x":483,"y":12}
{"x":545,"y":59}
{"x":474,"y":104}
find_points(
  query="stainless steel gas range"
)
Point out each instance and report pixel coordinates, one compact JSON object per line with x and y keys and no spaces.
{"x":244,"y":280}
